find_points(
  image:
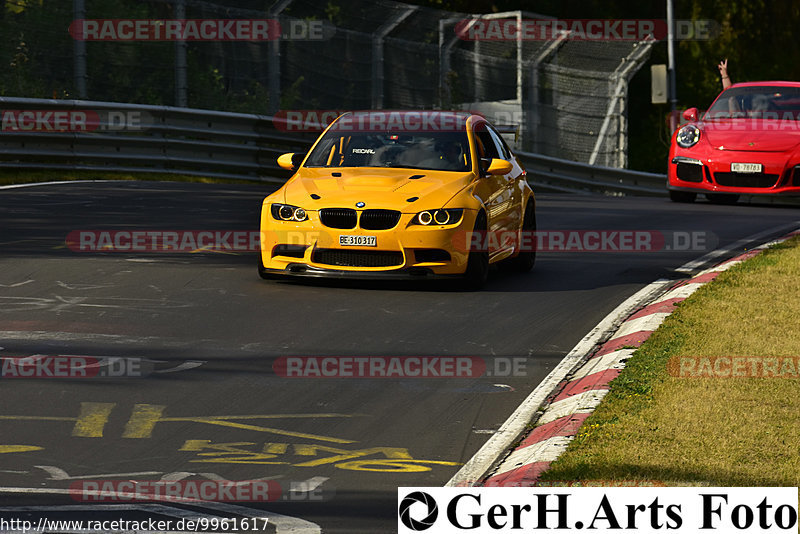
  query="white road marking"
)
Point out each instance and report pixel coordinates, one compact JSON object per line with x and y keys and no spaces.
{"x":189,"y":364}
{"x":57,"y":473}
{"x":581,"y":403}
{"x":612,"y":360}
{"x":17,"y":284}
{"x":647,"y":323}
{"x":18,"y":186}
{"x":543,"y":451}
{"x":79,"y":287}
{"x":307,"y":486}
{"x":512,"y":429}
{"x":693,"y":265}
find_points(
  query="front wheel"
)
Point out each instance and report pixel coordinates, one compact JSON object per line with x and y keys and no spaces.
{"x":525,"y":260}
{"x":478,"y":261}
{"x":262,"y":272}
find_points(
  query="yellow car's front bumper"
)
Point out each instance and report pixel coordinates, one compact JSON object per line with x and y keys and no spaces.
{"x":310,"y":248}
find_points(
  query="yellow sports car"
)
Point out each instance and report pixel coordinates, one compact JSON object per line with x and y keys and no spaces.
{"x":392,"y":194}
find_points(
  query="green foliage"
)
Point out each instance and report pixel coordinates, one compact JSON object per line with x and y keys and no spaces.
{"x":36,"y":58}
{"x":758,"y":37}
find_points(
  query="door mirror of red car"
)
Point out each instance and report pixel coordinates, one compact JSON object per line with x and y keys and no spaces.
{"x":690,"y":114}
{"x":290,"y":161}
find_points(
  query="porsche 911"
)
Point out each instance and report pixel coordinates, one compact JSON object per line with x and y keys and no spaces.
{"x":748,"y":142}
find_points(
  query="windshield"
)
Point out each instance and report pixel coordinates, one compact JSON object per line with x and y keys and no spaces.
{"x":764,"y":102}
{"x":446,"y":151}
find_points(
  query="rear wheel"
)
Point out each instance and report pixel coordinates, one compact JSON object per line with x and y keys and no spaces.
{"x":525,"y":260}
{"x":478,"y":262}
{"x":722,"y":198}
{"x":682,"y":196}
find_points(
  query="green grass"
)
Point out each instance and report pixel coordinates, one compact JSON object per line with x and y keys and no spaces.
{"x":655,"y":425}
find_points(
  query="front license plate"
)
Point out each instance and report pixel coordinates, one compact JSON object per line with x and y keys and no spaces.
{"x":358,"y":241}
{"x":746,"y":167}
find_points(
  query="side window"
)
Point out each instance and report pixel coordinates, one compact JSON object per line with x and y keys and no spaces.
{"x":488,"y":143}
{"x":502,"y":147}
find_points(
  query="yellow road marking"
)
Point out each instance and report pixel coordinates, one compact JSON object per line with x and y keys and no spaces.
{"x":392,"y":466}
{"x":143,"y":420}
{"x":92,"y":419}
{"x":19,"y":448}
{"x":278,"y":431}
{"x":394,"y":460}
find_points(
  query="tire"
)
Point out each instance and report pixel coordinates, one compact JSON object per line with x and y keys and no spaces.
{"x":477,"y":271}
{"x":722,"y":198}
{"x":525,"y":260}
{"x":682,"y":196}
{"x":261,"y":271}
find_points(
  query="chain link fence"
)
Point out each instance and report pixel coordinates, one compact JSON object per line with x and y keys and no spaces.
{"x":567,"y":96}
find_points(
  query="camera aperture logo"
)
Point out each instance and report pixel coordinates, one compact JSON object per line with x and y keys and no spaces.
{"x":418,"y":497}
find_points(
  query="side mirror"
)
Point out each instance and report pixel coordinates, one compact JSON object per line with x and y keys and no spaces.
{"x":290,"y":161}
{"x":499,"y":166}
{"x":690,"y":114}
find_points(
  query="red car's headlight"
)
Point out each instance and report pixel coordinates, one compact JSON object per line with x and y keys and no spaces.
{"x":688,"y":136}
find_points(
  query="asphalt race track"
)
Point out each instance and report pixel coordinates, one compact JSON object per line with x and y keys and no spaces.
{"x":200,"y":332}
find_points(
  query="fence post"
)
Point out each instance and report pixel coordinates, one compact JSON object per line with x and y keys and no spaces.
{"x":79,"y":52}
{"x":274,"y":63}
{"x":181,"y":84}
{"x":377,"y":54}
{"x":532,"y":140}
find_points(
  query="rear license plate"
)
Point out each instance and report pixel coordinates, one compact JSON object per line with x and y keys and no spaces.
{"x":746,"y":167}
{"x":358,"y":241}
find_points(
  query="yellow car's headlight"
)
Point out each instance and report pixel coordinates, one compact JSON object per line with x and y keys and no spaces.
{"x":438,"y":217}
{"x":286,"y":212}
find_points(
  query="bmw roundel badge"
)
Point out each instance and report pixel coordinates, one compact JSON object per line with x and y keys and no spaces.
{"x":360,"y":204}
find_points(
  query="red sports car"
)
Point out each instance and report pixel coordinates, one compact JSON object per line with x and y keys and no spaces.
{"x":747,"y":143}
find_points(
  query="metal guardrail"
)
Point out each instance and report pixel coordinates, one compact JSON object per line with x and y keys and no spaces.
{"x":105,"y":136}
{"x":172,"y":140}
{"x":558,"y":175}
